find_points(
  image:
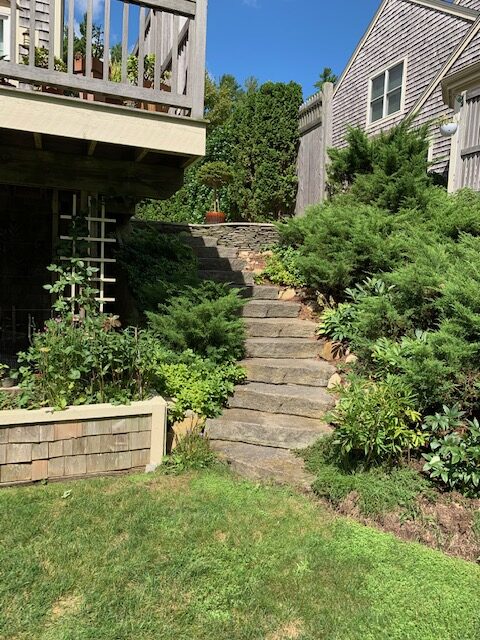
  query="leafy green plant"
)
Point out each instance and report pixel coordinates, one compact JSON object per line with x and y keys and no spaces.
{"x":281,"y":268}
{"x":193,"y":453}
{"x":41,"y":60}
{"x":80,"y":357}
{"x":204,"y":319}
{"x":376,"y":422}
{"x":455,"y":450}
{"x":195,"y":383}
{"x":158,"y":266}
{"x":375,"y":491}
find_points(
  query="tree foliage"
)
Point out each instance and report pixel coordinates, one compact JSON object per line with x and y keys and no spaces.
{"x":327,"y":75}
{"x":255,"y":131}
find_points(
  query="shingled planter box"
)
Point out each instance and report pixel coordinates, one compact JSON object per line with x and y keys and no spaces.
{"x":81,"y":441}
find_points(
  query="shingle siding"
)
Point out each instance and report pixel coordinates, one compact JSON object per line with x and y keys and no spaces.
{"x":427,"y":38}
{"x":471,"y":4}
{"x":42,"y":12}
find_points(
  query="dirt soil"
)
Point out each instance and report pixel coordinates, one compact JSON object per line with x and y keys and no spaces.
{"x":446,"y":524}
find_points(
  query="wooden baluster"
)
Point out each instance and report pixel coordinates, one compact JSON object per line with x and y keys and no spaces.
{"x":158,"y":50}
{"x":88,"y":46}
{"x":31,"y":31}
{"x":51,"y":35}
{"x":141,"y":47}
{"x":71,"y":26}
{"x":176,"y":29}
{"x":106,"y":42}
{"x":125,"y":42}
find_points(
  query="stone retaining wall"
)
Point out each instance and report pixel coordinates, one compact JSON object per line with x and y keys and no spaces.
{"x":242,"y":235}
{"x":81,"y":441}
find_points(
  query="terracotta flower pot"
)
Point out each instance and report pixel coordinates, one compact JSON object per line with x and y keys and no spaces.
{"x":215,"y":217}
{"x":79,"y":68}
{"x":149,"y":106}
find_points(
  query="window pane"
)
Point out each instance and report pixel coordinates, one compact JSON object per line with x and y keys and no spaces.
{"x":395,"y":77}
{"x":378,"y":86}
{"x":2,"y":39}
{"x":394,"y":100}
{"x":376,"y":110}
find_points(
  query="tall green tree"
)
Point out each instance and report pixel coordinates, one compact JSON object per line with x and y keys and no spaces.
{"x":327,"y":75}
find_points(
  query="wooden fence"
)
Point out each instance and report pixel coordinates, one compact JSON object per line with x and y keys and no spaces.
{"x":164,"y":65}
{"x":315,"y":127}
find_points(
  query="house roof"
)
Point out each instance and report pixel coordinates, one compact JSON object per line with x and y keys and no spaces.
{"x":462,"y":13}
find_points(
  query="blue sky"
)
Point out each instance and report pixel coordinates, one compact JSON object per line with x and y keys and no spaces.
{"x":284,"y":40}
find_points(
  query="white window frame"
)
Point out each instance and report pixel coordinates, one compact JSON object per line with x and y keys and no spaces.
{"x":379,"y":72}
{"x":5,"y":17}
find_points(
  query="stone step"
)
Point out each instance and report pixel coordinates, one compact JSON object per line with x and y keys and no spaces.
{"x":290,"y":399}
{"x":221,"y":264}
{"x":280,"y":328}
{"x":218,"y":251}
{"x":199,"y":241}
{"x":260,"y":292}
{"x":266,"y":429}
{"x":271,"y":309}
{"x":283,"y":347}
{"x":235,"y":277}
{"x":264,"y":464}
{"x":314,"y":373}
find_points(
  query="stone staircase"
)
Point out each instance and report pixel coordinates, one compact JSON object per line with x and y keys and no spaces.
{"x":282,"y":405}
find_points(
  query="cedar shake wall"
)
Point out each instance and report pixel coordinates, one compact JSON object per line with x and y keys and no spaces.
{"x":428,"y":38}
{"x":471,"y":4}
{"x":81,"y":441}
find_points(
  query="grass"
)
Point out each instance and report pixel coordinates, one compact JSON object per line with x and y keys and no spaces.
{"x":204,"y":556}
{"x":377,"y":490}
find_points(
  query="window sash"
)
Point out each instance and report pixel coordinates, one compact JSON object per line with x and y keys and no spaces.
{"x":392,"y":96}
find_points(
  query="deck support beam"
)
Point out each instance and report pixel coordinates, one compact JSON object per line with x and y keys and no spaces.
{"x":128,"y":179}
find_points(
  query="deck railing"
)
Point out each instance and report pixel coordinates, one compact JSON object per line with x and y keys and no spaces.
{"x":158,"y":62}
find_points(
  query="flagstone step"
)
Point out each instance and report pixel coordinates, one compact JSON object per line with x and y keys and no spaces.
{"x":199,"y":241}
{"x":283,"y":347}
{"x":271,"y":309}
{"x":289,"y":399}
{"x":265,"y":464}
{"x":315,"y":373}
{"x":221,"y":264}
{"x":235,"y":277}
{"x":260,"y":292}
{"x":217,"y":251}
{"x":280,"y":328}
{"x":266,"y":429}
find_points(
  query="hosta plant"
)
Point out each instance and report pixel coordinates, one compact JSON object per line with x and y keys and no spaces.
{"x":454,"y":457}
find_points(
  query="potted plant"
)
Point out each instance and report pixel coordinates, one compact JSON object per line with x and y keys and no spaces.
{"x":41,"y":61}
{"x":80,"y":49}
{"x":215,"y":175}
{"x":148,"y":79}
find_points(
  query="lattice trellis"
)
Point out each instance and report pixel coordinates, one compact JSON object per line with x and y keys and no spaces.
{"x":94,"y":248}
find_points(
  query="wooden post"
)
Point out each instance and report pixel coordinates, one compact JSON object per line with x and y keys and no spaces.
{"x":196,"y":72}
{"x":327,"y":133}
{"x":455,"y":169}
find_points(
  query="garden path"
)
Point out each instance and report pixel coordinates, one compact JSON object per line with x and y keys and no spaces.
{"x":282,"y":406}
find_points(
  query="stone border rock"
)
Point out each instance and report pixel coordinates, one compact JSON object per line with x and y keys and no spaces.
{"x":81,"y":441}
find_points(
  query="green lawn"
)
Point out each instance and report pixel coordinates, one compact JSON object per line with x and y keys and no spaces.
{"x":206,"y":556}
